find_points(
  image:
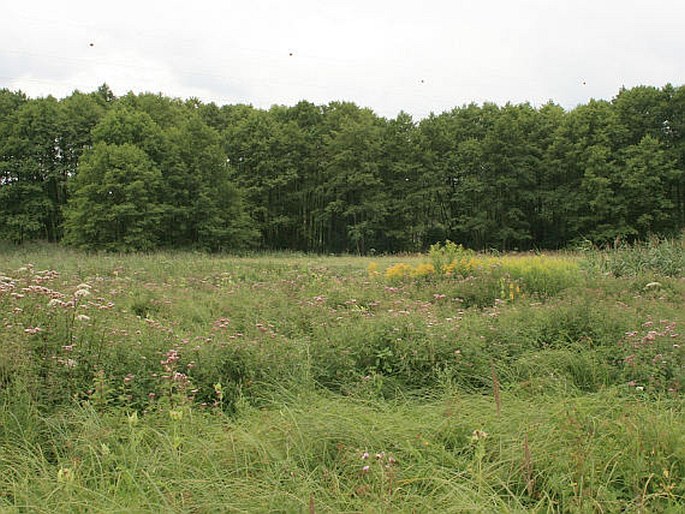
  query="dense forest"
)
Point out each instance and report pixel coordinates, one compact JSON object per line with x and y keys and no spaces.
{"x":145,"y":171}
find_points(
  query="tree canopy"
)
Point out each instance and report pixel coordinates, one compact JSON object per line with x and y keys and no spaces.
{"x":145,"y":171}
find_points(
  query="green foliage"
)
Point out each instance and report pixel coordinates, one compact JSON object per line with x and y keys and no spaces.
{"x":648,"y":177}
{"x":116,"y":203}
{"x":122,"y":125}
{"x":23,"y":209}
{"x":337,"y":178}
{"x":450,"y":258}
{"x":202,"y":207}
{"x":32,"y":173}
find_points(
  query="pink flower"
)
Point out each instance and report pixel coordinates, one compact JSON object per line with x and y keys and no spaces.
{"x":171,"y":357}
{"x":651,"y":336}
{"x":221,"y":323}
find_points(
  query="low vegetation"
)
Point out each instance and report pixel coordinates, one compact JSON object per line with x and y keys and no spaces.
{"x":446,"y":382}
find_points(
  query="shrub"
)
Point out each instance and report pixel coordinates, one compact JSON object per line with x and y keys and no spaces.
{"x":450,"y":258}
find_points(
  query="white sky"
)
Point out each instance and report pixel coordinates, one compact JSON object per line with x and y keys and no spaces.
{"x":421,"y":56}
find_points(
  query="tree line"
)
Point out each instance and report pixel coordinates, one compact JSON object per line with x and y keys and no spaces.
{"x":145,"y":171}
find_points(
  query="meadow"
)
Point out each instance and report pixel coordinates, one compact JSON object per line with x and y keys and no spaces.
{"x":445,"y":382}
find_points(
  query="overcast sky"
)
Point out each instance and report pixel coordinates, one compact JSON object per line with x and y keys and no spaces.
{"x":419,"y":56}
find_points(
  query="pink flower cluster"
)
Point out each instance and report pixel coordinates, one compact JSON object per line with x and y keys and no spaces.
{"x":386,"y":461}
{"x":172,"y":357}
{"x":667,"y":330}
{"x":45,"y":276}
{"x":221,"y":324}
{"x":171,"y":371}
{"x":7,"y":285}
{"x":45,"y":291}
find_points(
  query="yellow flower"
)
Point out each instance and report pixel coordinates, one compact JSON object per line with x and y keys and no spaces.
{"x":448,"y":269}
{"x":423,"y":269}
{"x":398,"y":271}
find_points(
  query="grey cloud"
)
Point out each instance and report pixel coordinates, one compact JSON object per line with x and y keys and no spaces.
{"x":374,"y":53}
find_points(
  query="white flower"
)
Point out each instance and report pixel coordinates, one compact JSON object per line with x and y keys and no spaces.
{"x":65,"y":475}
{"x":479,"y":435}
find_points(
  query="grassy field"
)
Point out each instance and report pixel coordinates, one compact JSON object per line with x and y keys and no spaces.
{"x":449,"y":382}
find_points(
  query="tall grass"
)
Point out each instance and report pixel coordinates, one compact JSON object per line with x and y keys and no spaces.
{"x":663,"y":257}
{"x":185,"y":382}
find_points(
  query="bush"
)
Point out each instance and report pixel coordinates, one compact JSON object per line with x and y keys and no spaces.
{"x":452,"y":259}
